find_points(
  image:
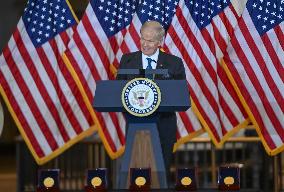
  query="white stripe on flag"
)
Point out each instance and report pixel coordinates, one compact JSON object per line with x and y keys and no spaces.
{"x":28,"y":115}
{"x":263,"y":98}
{"x":33,"y":89}
{"x":200,"y":50}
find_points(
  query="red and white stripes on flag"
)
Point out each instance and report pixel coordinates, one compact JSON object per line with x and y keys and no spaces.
{"x":254,"y":64}
{"x":91,"y":53}
{"x":40,"y":93}
{"x":214,"y":100}
{"x":94,"y":55}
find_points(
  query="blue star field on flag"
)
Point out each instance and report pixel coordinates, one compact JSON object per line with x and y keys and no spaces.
{"x":158,"y":10}
{"x":266,"y":14}
{"x":202,"y":11}
{"x":115,"y":15}
{"x":44,"y":19}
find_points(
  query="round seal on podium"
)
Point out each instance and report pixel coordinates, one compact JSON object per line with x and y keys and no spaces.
{"x":141,"y":97}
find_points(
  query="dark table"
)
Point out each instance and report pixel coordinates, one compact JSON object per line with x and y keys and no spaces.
{"x":164,"y":190}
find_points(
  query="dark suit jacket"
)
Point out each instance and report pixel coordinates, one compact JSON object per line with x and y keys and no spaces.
{"x":165,"y":61}
{"x":167,"y":122}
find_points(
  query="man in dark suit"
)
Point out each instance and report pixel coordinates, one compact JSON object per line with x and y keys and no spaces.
{"x":150,"y":57}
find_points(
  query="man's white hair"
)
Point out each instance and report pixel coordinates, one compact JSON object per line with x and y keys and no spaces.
{"x":154,"y":25}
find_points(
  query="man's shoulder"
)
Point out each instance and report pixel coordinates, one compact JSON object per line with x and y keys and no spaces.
{"x":128,"y":59}
{"x":131,"y":54}
{"x":169,"y":56}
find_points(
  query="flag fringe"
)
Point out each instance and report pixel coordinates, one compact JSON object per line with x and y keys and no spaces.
{"x":72,"y":11}
{"x":111,"y":153}
{"x":55,"y":153}
{"x":187,"y":138}
{"x":225,"y":137}
{"x":268,"y":150}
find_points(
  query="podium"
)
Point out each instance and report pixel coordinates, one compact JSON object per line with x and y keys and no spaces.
{"x":143,"y":148}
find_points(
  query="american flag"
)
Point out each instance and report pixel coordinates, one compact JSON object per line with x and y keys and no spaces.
{"x":37,"y":86}
{"x":254,"y":60}
{"x":199,"y":34}
{"x":108,"y":29}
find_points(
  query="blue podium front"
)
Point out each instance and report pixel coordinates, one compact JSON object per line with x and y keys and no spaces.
{"x":143,"y":148}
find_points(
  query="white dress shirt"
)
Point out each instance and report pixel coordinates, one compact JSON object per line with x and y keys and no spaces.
{"x":153,"y":57}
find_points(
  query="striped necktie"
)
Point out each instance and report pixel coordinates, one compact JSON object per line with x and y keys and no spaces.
{"x":149,"y":66}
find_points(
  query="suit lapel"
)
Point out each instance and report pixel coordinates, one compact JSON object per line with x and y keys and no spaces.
{"x":161,"y":61}
{"x":137,"y":62}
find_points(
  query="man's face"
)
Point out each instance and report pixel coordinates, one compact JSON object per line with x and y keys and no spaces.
{"x":149,"y":42}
